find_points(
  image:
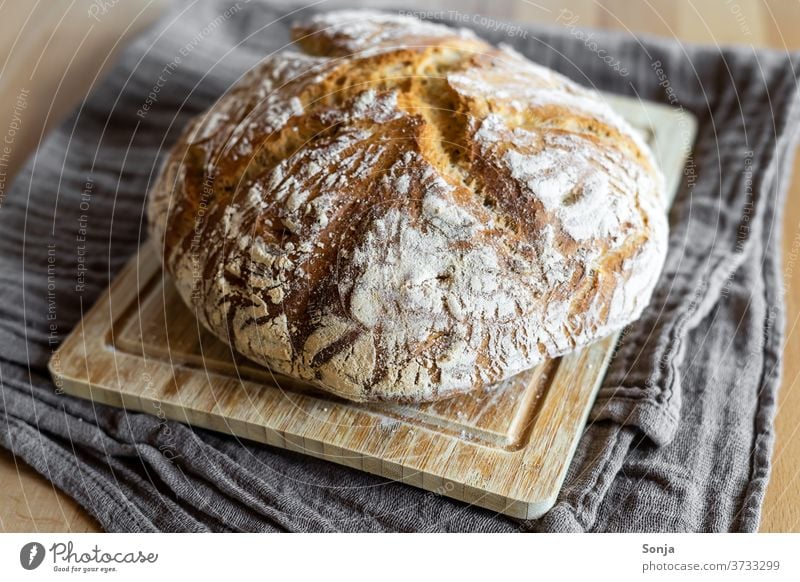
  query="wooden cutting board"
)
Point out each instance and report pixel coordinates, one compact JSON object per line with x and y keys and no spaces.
{"x":506,"y":448}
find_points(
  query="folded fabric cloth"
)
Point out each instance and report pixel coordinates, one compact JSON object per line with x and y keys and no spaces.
{"x":680,"y":436}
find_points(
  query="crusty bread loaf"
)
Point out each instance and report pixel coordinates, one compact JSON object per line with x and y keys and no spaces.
{"x":403,"y":212}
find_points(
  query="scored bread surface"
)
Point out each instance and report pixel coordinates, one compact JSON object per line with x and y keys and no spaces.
{"x":400,"y":211}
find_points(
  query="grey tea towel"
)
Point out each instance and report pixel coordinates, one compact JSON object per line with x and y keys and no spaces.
{"x":681,"y":434}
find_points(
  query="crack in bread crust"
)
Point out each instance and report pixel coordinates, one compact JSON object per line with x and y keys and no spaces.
{"x":403,"y":212}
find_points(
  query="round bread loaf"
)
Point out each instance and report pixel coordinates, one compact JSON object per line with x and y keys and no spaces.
{"x":400,"y":211}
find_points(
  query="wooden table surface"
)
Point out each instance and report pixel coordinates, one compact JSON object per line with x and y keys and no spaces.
{"x":43,"y":38}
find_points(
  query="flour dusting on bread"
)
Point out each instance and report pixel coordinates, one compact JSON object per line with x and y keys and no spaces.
{"x":400,"y":211}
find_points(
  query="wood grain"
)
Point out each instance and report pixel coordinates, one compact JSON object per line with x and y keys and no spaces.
{"x":31,"y":503}
{"x":163,"y":328}
{"x":506,"y":448}
{"x":770,"y":23}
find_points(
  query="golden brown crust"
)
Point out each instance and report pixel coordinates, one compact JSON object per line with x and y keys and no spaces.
{"x":404,"y":212}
